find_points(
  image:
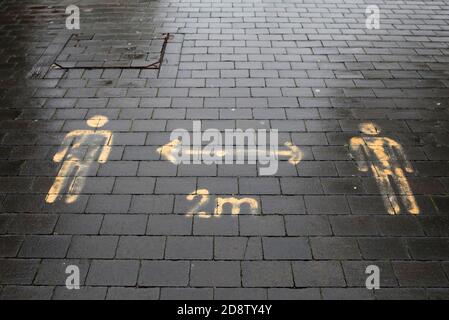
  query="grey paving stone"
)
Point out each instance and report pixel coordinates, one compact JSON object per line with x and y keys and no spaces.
{"x":79,"y":224}
{"x":307,"y":225}
{"x":259,"y":186}
{"x":219,"y":185}
{"x":119,"y":293}
{"x":108,"y":204}
{"x":383,"y":248}
{"x":240,"y":294}
{"x":437,"y":294}
{"x":18,"y":271}
{"x":238,"y":248}
{"x":290,"y":248}
{"x":53,"y":271}
{"x":187,"y":294}
{"x":429,"y":248}
{"x":45,"y":246}
{"x":10,"y":245}
{"x":189,"y":248}
{"x":134,"y":185}
{"x":152,"y":204}
{"x":215,"y":274}
{"x":175,"y":185}
{"x":93,"y":247}
{"x":355,"y":273}
{"x":26,"y":293}
{"x":140,"y":247}
{"x":129,"y":224}
{"x":216,"y":225}
{"x":353,"y":226}
{"x":267,"y":274}
{"x":113,"y":273}
{"x":399,"y":226}
{"x":32,"y":224}
{"x":261,"y":225}
{"x":420,"y":274}
{"x":335,"y":248}
{"x":156,"y":168}
{"x":84,"y":293}
{"x":347,"y":294}
{"x":169,"y":225}
{"x":164,"y":274}
{"x":401,"y":294}
{"x":294,"y":294}
{"x":295,"y":186}
{"x":283,"y":205}
{"x":318,"y":274}
{"x":326,"y":205}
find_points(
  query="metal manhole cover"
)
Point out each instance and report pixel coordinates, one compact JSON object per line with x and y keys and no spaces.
{"x":103,"y":51}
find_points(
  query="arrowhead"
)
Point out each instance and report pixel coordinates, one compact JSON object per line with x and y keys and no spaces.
{"x":295,"y":153}
{"x":168,"y":150}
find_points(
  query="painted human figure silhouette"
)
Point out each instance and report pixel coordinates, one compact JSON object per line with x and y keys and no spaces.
{"x":79,"y":149}
{"x":388,"y":164}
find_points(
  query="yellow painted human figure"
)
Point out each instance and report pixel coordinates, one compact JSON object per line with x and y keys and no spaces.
{"x":79,"y":150}
{"x":388,"y":163}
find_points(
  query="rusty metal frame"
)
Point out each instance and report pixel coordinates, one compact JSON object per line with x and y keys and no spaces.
{"x":155,"y":65}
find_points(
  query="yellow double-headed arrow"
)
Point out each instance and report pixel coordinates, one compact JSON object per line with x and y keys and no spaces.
{"x":170,"y":151}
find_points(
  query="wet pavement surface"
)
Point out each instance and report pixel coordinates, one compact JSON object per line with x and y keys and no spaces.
{"x":362,"y":117}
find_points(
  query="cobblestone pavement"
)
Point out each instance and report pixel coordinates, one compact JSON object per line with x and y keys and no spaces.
{"x":117,"y":209}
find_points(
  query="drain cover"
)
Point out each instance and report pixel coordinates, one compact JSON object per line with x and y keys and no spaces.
{"x":103,"y":51}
